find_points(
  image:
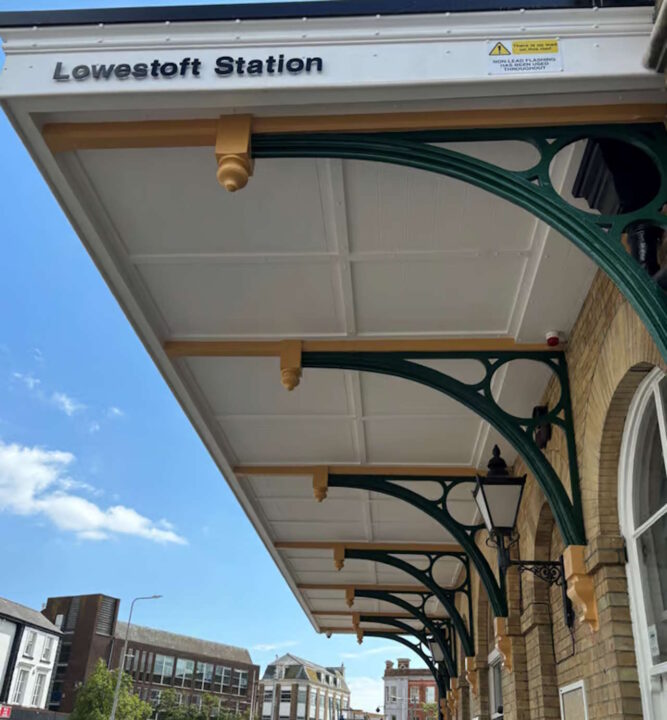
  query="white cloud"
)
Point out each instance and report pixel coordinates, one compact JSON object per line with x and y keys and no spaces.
{"x":271,"y":647}
{"x":66,"y":403}
{"x":37,"y":354}
{"x":29,"y":380}
{"x":93,"y":427}
{"x":369,"y":651}
{"x":115,"y":412}
{"x":366,"y":693}
{"x":34,"y":481}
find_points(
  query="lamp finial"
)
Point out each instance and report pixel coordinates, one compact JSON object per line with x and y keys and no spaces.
{"x":497,"y":467}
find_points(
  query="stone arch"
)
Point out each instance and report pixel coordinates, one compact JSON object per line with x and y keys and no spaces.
{"x":627,"y":354}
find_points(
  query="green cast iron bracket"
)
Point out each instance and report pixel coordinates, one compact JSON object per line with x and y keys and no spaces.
{"x":440,"y":628}
{"x":438,"y":510}
{"x":598,"y":236}
{"x":420,"y":635}
{"x":478,"y":397}
{"x":441,"y":678}
{"x":426,"y":578}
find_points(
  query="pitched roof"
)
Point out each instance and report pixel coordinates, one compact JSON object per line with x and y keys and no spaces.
{"x":311,"y":667}
{"x":183,"y":643}
{"x":26,"y":616}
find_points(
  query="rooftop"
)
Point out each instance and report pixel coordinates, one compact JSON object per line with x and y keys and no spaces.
{"x":183,"y":643}
{"x":26,"y":615}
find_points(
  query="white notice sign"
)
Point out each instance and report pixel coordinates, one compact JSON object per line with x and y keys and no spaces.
{"x":509,"y":57}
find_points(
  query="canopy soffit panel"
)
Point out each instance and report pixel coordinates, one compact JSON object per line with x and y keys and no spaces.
{"x":321,"y":249}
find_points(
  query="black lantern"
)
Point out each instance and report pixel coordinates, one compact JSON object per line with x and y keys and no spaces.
{"x":498,"y":496}
{"x":436,"y":651}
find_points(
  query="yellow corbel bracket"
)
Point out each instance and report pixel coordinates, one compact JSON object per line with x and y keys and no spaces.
{"x":471,"y":673}
{"x":232,"y":151}
{"x":349,"y":596}
{"x":290,"y":363}
{"x":580,"y":587}
{"x":503,"y":642}
{"x":320,"y":483}
{"x":358,"y":628}
{"x":339,"y":556}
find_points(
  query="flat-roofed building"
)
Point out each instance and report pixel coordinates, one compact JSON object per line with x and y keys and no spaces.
{"x":156,"y":660}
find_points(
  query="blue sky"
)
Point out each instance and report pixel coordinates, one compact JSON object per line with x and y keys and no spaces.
{"x":104,"y":485}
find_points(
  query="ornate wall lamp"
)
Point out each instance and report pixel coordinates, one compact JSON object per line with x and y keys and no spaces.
{"x":498,"y":497}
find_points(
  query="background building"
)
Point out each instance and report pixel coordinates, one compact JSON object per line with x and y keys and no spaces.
{"x":406,"y":690}
{"x":28,"y":647}
{"x":296,"y":689}
{"x":155,"y":659}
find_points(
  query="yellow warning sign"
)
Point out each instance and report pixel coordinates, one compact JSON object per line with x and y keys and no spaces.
{"x":533,"y":47}
{"x":499,"y":49}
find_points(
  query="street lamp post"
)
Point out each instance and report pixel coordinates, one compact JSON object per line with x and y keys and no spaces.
{"x":116,"y":694}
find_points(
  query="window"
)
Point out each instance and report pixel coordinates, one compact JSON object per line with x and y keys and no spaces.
{"x":163,"y":670}
{"x":240,"y":685}
{"x":643,"y":515}
{"x":128,"y":660}
{"x":286,"y":695}
{"x":135,"y":664}
{"x":226,"y":679}
{"x":29,"y":649}
{"x":430,"y":694}
{"x":268,"y":694}
{"x":149,"y":667}
{"x":195,"y":700}
{"x":185,"y":670}
{"x":414,"y":695}
{"x":19,"y":688}
{"x":64,"y":653}
{"x":38,"y":692}
{"x":60,"y":619}
{"x":301,"y":703}
{"x":573,"y":701}
{"x":204,"y":676}
{"x":495,"y":685}
{"x":47,"y":649}
{"x":154,"y":697}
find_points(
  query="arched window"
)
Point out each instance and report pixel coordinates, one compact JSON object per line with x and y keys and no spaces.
{"x":643,"y":516}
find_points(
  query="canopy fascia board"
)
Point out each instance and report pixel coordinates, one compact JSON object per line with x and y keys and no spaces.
{"x":395,"y":53}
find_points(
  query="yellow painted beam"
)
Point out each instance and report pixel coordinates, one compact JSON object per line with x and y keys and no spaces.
{"x":388,"y":547}
{"x":202,"y":132}
{"x":272,"y":348}
{"x":381,"y":470}
{"x":362,"y":586}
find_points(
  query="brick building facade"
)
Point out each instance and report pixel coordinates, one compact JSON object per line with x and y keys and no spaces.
{"x":156,"y":660}
{"x":610,"y":355}
{"x":407,"y":690}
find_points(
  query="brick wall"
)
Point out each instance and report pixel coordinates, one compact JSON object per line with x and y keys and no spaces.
{"x":609,"y":353}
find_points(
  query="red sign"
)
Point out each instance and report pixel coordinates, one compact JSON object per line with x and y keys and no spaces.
{"x":5,"y":711}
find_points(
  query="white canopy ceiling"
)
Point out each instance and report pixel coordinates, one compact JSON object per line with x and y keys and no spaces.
{"x":325,"y":249}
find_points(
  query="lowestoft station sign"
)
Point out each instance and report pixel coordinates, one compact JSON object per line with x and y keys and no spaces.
{"x":188,"y":67}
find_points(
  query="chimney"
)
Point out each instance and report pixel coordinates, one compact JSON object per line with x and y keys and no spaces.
{"x":403,"y":663}
{"x":388,"y":665}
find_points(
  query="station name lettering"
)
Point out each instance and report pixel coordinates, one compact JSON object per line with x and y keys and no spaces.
{"x":187,"y":67}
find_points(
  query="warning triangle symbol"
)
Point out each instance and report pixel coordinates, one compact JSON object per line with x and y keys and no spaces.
{"x":499,"y":49}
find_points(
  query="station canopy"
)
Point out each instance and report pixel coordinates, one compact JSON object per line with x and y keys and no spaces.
{"x":325,"y":249}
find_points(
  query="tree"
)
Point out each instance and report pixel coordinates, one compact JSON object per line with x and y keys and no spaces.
{"x":430,"y":710}
{"x":95,"y":697}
